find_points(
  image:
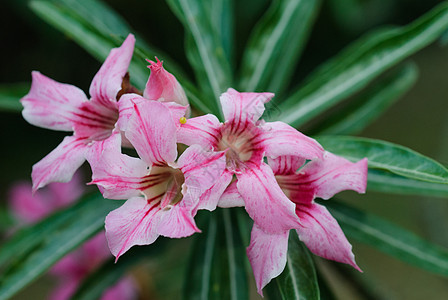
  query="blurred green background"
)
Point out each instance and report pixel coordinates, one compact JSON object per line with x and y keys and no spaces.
{"x":419,"y":120}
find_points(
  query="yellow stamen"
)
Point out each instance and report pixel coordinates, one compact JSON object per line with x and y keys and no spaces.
{"x":183,"y":120}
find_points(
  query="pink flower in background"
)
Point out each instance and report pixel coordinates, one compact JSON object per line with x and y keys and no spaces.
{"x":247,"y":140}
{"x":163,"y":195}
{"x":31,"y":207}
{"x":64,"y":107}
{"x":320,"y":232}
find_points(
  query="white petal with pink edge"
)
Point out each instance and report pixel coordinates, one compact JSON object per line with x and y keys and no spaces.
{"x":281,"y":139}
{"x":61,"y":163}
{"x":152,"y":132}
{"x":322,"y":235}
{"x":50,"y":104}
{"x":203,"y":131}
{"x":107,"y":82}
{"x":119,"y":175}
{"x":136,"y":222}
{"x":231,"y":197}
{"x":267,"y":254}
{"x":243,"y":107}
{"x":265,"y":202}
{"x":213,"y":196}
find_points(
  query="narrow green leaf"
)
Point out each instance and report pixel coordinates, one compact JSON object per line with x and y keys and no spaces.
{"x":217,"y":268}
{"x":276,"y":44}
{"x":382,"y":181}
{"x":371,"y":103}
{"x":359,"y":64}
{"x":389,"y":238}
{"x":208,"y":50}
{"x":299,"y":279}
{"x":34,"y":250}
{"x":97,"y":28}
{"x":387,"y":156}
{"x":94,"y":285}
{"x":10,"y":95}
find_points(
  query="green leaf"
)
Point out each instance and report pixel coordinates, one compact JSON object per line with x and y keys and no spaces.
{"x":10,"y":95}
{"x":387,"y":156}
{"x":98,"y":29}
{"x":276,"y":44}
{"x":389,"y":238}
{"x":34,"y":250}
{"x":208,"y":54}
{"x":94,"y":285}
{"x":217,"y":264}
{"x":371,"y":103}
{"x":382,"y":181}
{"x":359,"y":64}
{"x":299,"y":279}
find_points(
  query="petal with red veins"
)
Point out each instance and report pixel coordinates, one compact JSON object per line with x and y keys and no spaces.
{"x":94,"y":120}
{"x":177,"y":222}
{"x":213,"y":196}
{"x":50,"y":104}
{"x":231,"y":197}
{"x":61,"y":163}
{"x":118,"y":175}
{"x":324,"y":178}
{"x":177,"y":111}
{"x":267,"y":254}
{"x":286,"y":164}
{"x":152,"y":132}
{"x":203,"y":131}
{"x":265,"y":202}
{"x":322,"y":235}
{"x":280,"y":139}
{"x":107,"y":82}
{"x":136,"y":222}
{"x":201,"y":168}
{"x":163,"y":86}
{"x":242,"y":107}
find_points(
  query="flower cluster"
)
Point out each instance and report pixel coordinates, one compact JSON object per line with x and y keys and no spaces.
{"x":270,"y":168}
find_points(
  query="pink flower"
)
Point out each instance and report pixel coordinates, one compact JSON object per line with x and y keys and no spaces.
{"x":247,"y":141}
{"x":73,"y":268}
{"x":163,"y":195}
{"x":30,"y":208}
{"x":64,"y":107}
{"x":319,"y":231}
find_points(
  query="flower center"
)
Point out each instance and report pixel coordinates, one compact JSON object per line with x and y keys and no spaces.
{"x":240,"y":144}
{"x":163,"y":185}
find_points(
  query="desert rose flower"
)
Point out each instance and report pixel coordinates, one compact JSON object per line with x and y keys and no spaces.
{"x":58,"y":106}
{"x":163,"y":194}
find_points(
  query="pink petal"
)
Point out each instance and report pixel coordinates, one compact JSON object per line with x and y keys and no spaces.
{"x":322,"y":235}
{"x":163,"y":86}
{"x":281,"y":139}
{"x":61,"y":163}
{"x":324,"y":178}
{"x":134,"y":223}
{"x":201,"y":168}
{"x":64,"y":290}
{"x":177,"y":222}
{"x":27,"y":207}
{"x":118,"y":174}
{"x":231,"y":197}
{"x":94,"y":120}
{"x":242,"y":107}
{"x":126,"y":107}
{"x":285,"y":165}
{"x":267,"y":255}
{"x":203,"y":131}
{"x":152,"y":132}
{"x":107,"y":82}
{"x":265,"y":202}
{"x":65,"y":193}
{"x":51,"y":104}
{"x":125,"y":289}
{"x":213,"y":196}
